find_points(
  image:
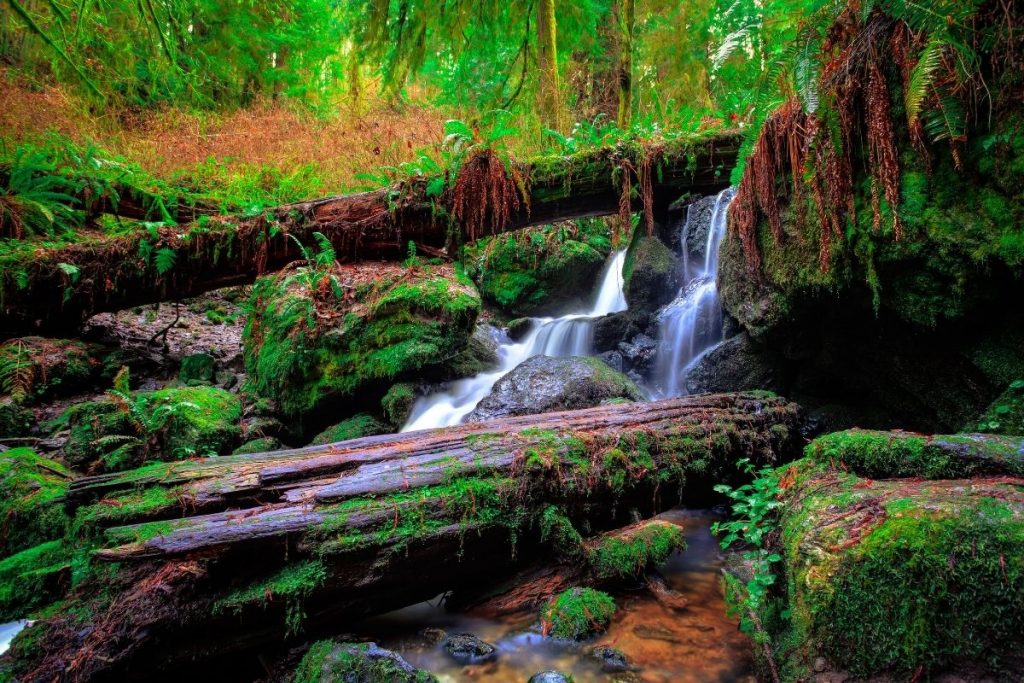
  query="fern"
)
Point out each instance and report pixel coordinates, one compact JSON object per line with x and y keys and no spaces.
{"x":922,"y":78}
{"x":164,"y":260}
{"x":36,"y":201}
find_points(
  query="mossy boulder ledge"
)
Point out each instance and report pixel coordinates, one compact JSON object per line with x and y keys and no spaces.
{"x":31,"y":490}
{"x":902,"y":555}
{"x":330,"y":662}
{"x":351,"y":332}
{"x":649,"y":274}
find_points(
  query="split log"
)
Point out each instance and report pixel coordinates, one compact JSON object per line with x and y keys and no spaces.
{"x":39,"y":295}
{"x":222,"y":555}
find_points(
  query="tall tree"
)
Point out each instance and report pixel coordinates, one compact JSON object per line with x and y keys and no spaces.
{"x":549,"y":88}
{"x":625,"y":17}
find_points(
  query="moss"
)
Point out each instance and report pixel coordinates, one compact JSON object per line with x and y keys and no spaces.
{"x":539,"y":269}
{"x":330,"y":662}
{"x":397,"y":403}
{"x":31,"y":493}
{"x":292,"y":585}
{"x":261,"y":445}
{"x":899,"y":454}
{"x":303,"y":353}
{"x":352,"y":428}
{"x":143,"y":503}
{"x":1006,"y":414}
{"x":33,"y":578}
{"x":627,"y":556}
{"x":168,"y":424}
{"x":197,"y":368}
{"x":15,"y":419}
{"x":578,"y":613}
{"x":889,"y":576}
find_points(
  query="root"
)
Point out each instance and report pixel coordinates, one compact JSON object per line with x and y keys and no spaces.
{"x":487,"y":194}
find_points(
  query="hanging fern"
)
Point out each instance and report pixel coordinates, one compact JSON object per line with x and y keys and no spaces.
{"x":922,"y":78}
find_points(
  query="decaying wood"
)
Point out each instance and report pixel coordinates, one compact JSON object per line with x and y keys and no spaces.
{"x":114,"y":273}
{"x":388,"y":520}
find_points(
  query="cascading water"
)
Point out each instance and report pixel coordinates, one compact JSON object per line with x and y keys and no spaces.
{"x":692,"y":323}
{"x":568,"y":335}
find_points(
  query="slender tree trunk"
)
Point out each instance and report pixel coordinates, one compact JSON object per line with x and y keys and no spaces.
{"x":625,"y":17}
{"x":547,"y":61}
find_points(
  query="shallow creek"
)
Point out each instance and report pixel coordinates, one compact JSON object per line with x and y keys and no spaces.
{"x":696,"y":645}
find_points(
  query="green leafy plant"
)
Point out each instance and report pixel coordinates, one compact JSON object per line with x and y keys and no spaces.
{"x":36,"y":200}
{"x":150,"y":424}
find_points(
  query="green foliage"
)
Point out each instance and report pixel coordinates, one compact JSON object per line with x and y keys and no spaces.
{"x":292,"y":585}
{"x":353,"y":428}
{"x":753,"y":518}
{"x":577,"y":613}
{"x":329,"y":662}
{"x":36,"y":200}
{"x":33,"y":578}
{"x":1006,"y":414}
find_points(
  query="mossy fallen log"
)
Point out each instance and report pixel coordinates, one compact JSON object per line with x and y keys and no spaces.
{"x":38,"y":293}
{"x":902,"y":556}
{"x":198,"y":560}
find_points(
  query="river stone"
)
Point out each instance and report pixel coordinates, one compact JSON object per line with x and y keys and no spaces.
{"x":612,"y":660}
{"x":649,"y":275}
{"x":737,"y":364}
{"x":330,"y":662}
{"x":465,"y":648}
{"x":550,"y":677}
{"x":639,"y":352}
{"x":611,"y":329}
{"x":543,"y":384}
{"x":697,"y":220}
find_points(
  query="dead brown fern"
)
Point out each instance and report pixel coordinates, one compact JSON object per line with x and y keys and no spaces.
{"x":882,"y":155}
{"x":488,"y":194}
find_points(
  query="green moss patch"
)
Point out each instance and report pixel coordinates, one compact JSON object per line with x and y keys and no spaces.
{"x":629,"y":553}
{"x":31,"y":493}
{"x":33,"y":578}
{"x":1006,"y":414}
{"x":578,"y":613}
{"x":352,"y":428}
{"x":312,"y":336}
{"x":34,"y":368}
{"x":330,"y":662}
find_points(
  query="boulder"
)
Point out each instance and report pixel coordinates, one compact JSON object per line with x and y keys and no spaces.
{"x":1006,"y":414}
{"x":262,"y":445}
{"x":397,"y":403}
{"x":36,"y":368}
{"x":639,"y":353}
{"x":465,"y":648}
{"x":739,"y":363}
{"x":550,"y":676}
{"x":330,"y":662}
{"x":480,"y":354}
{"x":696,"y":227}
{"x":649,"y":275}
{"x":318,"y":335}
{"x":544,"y":384}
{"x":198,"y":368}
{"x":612,"y":661}
{"x":542,"y":270}
{"x":611,"y":329}
{"x":126,"y":430}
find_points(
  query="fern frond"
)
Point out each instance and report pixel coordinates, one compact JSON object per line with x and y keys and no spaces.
{"x":922,"y":78}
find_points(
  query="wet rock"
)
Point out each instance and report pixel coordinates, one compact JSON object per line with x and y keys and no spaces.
{"x":612,"y":661}
{"x":397,"y":404}
{"x":197,"y":368}
{"x":611,"y":329}
{"x":519,"y":328}
{"x":544,"y":384}
{"x":697,"y":220}
{"x":550,"y":677}
{"x":656,"y":632}
{"x":465,"y":648}
{"x":433,"y":635}
{"x":480,"y":354}
{"x":330,"y":662}
{"x":612,"y":359}
{"x":649,"y":273}
{"x":639,"y":353}
{"x":739,"y":363}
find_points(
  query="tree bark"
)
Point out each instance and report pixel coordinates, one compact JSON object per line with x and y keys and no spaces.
{"x":381,"y":522}
{"x":549,"y":87}
{"x":39,"y":296}
{"x":625,"y":18}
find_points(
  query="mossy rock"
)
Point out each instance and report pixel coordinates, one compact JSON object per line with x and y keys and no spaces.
{"x":480,"y":354}
{"x":169,"y":424}
{"x":397,"y":404}
{"x":330,"y":662}
{"x":627,"y":554}
{"x":308,"y":342}
{"x":354,"y":427}
{"x":15,"y":419}
{"x":1006,"y":414}
{"x":33,"y":578}
{"x":540,"y":270}
{"x":35,"y":368}
{"x":32,"y":489}
{"x":649,"y":274}
{"x":577,"y":614}
{"x":199,"y":368}
{"x":543,"y":384}
{"x":262,"y":445}
{"x":897,"y":576}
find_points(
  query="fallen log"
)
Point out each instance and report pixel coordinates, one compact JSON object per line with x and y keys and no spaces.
{"x":218,"y":556}
{"x":39,"y":293}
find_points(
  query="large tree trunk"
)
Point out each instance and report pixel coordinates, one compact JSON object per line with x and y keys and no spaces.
{"x":625,"y":15}
{"x":548,"y":87}
{"x":236,"y":552}
{"x":38,"y":294}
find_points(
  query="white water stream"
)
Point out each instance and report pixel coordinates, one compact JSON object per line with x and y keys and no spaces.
{"x":692,"y":323}
{"x":568,"y":335}
{"x":8,"y":631}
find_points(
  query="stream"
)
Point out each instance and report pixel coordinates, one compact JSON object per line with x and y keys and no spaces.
{"x":695,"y":645}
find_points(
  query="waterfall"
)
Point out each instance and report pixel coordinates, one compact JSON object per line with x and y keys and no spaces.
{"x":568,"y":335}
{"x":692,"y":323}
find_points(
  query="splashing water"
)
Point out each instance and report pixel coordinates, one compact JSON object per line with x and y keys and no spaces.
{"x":692,"y":323}
{"x":568,"y":335}
{"x":8,"y":631}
